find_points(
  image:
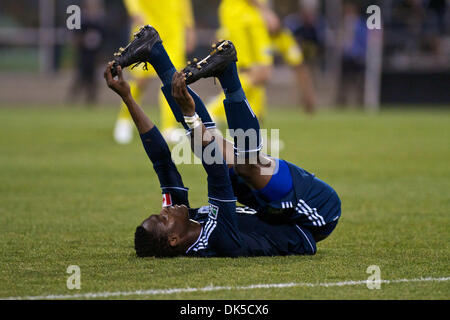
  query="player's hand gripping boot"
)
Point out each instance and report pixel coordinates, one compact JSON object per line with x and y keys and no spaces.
{"x":213,"y":65}
{"x":138,"y":50}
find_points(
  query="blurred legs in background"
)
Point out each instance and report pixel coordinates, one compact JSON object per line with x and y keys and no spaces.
{"x":88,"y":42}
{"x":246,"y":27}
{"x":243,"y":24}
{"x":286,"y":45}
{"x":351,"y":86}
{"x":175,"y":24}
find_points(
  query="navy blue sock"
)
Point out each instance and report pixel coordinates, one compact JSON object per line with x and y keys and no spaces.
{"x":231,"y":85}
{"x":160,"y":60}
{"x":245,"y":125}
{"x":199,"y":107}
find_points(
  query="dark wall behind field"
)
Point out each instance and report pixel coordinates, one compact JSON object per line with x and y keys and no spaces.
{"x":415,"y":88}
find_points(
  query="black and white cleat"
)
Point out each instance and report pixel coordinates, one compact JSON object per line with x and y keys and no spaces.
{"x":213,"y":65}
{"x":138,"y":50}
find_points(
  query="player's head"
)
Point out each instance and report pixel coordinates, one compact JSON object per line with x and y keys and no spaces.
{"x":163,"y":235}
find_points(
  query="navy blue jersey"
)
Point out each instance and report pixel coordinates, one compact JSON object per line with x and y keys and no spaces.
{"x":226,"y":230}
{"x":233,"y":231}
{"x":228,"y":234}
{"x":229,"y":231}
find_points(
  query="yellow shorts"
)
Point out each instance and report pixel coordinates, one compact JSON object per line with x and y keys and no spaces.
{"x":244,"y":26}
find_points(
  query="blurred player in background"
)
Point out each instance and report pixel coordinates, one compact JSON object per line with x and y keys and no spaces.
{"x":88,"y":41}
{"x":354,"y":33}
{"x":285,"y":43}
{"x":308,"y":27}
{"x":256,"y":31}
{"x":175,"y":23}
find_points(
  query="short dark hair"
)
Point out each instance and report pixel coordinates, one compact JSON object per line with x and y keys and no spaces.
{"x":152,"y":244}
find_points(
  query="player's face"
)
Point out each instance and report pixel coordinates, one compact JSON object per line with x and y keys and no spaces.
{"x":171,"y":219}
{"x":174,"y":216}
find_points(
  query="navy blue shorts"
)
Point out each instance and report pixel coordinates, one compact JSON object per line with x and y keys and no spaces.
{"x":319,"y":210}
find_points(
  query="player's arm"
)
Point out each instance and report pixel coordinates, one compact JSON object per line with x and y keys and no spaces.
{"x":154,"y":144}
{"x":219,"y":184}
{"x":257,"y":174}
{"x":122,"y":88}
{"x":191,"y":103}
{"x":220,"y":192}
{"x":187,"y":107}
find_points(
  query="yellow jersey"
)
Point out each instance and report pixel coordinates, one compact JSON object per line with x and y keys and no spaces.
{"x":170,"y":18}
{"x":242,"y":23}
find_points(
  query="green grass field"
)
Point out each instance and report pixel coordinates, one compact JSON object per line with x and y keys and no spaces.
{"x":70,"y":196}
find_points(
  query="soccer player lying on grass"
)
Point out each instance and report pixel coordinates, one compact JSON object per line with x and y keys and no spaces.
{"x":306,"y":210}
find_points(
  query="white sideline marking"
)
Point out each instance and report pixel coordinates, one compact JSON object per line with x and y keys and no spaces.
{"x":152,"y":292}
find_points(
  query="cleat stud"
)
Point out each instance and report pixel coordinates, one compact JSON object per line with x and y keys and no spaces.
{"x":199,"y":67}
{"x":189,"y":63}
{"x":195,"y":60}
{"x":213,"y":46}
{"x":220,"y":48}
{"x":190,"y":74}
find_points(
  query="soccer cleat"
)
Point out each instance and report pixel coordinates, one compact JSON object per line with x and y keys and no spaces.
{"x":213,"y":65}
{"x":138,"y":50}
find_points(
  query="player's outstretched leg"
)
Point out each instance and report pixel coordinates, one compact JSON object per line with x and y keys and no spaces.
{"x":240,"y":116}
{"x":146,"y":48}
{"x":242,"y":121}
